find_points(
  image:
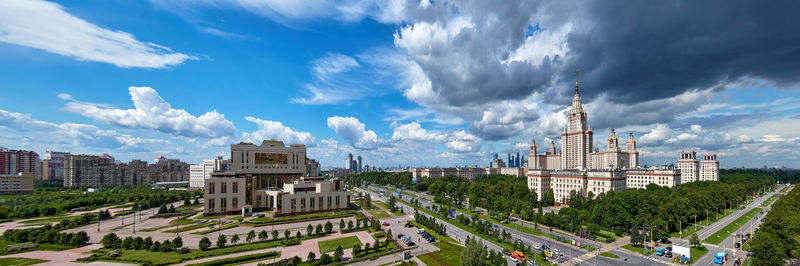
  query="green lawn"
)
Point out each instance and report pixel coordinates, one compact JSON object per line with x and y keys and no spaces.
{"x":241,"y":259}
{"x":163,"y":258}
{"x":729,"y":229}
{"x":20,"y":261}
{"x":345,"y":242}
{"x":53,"y":247}
{"x":382,"y":204}
{"x":769,"y":200}
{"x":218,"y":228}
{"x":609,"y":255}
{"x":190,"y":227}
{"x":379,"y":214}
{"x":638,"y":250}
{"x":450,"y":254}
{"x":43,"y":221}
{"x":697,"y":253}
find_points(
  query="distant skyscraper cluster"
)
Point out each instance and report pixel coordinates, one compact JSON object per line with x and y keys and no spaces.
{"x":353,"y":165}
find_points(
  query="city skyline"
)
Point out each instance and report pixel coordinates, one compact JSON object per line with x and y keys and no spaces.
{"x":397,"y":84}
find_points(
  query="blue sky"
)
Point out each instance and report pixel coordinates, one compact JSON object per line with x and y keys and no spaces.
{"x":398,"y":82}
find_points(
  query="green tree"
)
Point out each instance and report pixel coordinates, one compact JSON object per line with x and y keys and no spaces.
{"x":337,"y":254}
{"x":341,"y":225}
{"x":298,"y":235}
{"x":328,"y":227}
{"x":325,"y":259}
{"x":204,"y":243}
{"x":262,"y":235}
{"x":250,"y":236}
{"x":473,"y":253}
{"x":318,"y":229}
{"x":296,"y":260}
{"x":694,"y":240}
{"x":234,"y":238}
{"x":222,"y":240}
{"x":350,"y":225}
{"x":177,"y":242}
{"x":311,"y":256}
{"x":356,"y":249}
{"x":110,"y":241}
{"x":309,"y":230}
{"x":286,"y":234}
{"x":156,"y":247}
{"x":274,"y":234}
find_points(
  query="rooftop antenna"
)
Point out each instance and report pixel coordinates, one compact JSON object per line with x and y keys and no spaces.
{"x":576,"y":81}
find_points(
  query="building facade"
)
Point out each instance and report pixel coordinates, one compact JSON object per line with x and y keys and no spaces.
{"x":689,"y":166}
{"x":97,"y":171}
{"x":469,"y":172}
{"x":303,"y":196}
{"x":663,"y":176}
{"x":709,"y":168}
{"x":198,"y":173}
{"x":20,"y":161}
{"x":53,"y":165}
{"x":255,"y":171}
{"x":21,"y":183}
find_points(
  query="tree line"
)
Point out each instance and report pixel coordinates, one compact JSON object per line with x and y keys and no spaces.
{"x":45,"y":202}
{"x":776,"y":240}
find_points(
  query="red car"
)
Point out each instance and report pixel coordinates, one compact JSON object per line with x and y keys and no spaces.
{"x":385,"y":223}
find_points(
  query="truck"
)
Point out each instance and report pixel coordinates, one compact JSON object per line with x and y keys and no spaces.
{"x":719,"y":258}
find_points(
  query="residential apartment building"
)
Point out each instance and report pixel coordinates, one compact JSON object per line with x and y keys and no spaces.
{"x":21,"y":183}
{"x":709,"y":168}
{"x":95,"y":171}
{"x":53,"y":165}
{"x":198,"y":173}
{"x":20,"y":161}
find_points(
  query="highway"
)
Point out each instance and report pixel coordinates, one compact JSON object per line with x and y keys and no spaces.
{"x":729,"y":241}
{"x":709,"y":230}
{"x":569,"y":251}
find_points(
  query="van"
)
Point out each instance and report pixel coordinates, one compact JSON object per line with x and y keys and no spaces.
{"x":420,"y":231}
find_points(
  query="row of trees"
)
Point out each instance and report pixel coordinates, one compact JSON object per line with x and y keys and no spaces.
{"x":776,"y":240}
{"x":430,"y":222}
{"x":112,"y":241}
{"x":45,"y":202}
{"x":47,"y":235}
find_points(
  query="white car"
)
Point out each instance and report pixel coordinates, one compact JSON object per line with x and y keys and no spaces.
{"x":514,"y":259}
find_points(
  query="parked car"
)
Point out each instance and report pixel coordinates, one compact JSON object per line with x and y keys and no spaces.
{"x":401,"y":236}
{"x":506,"y":252}
{"x":385,"y":223}
{"x":669,"y":254}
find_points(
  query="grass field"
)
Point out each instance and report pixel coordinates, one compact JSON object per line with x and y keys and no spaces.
{"x":19,"y":261}
{"x":382,"y":204}
{"x":609,"y":255}
{"x":4,"y":244}
{"x":241,"y":259}
{"x":729,"y":229}
{"x":638,"y":250}
{"x":769,"y":200}
{"x":43,"y":221}
{"x":450,"y":254}
{"x":345,"y":242}
{"x":697,"y":253}
{"x":379,"y":214}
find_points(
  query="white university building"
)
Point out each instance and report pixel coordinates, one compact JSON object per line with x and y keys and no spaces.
{"x":589,"y":172}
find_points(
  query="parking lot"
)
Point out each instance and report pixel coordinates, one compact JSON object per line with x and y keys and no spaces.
{"x":397,"y":224}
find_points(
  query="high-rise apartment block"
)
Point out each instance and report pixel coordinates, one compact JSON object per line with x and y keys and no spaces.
{"x":13,"y":162}
{"x":96,"y":171}
{"x":198,"y":173}
{"x":53,"y":165}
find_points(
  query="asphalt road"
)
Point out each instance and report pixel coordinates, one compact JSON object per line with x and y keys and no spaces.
{"x":528,"y":239}
{"x":727,"y":244}
{"x":709,"y":230}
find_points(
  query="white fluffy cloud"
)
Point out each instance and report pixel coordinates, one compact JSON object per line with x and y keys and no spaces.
{"x":152,"y":112}
{"x":274,"y":129}
{"x":354,"y":131}
{"x":45,"y":25}
{"x":461,"y":141}
{"x":413,"y":131}
{"x":660,"y":133}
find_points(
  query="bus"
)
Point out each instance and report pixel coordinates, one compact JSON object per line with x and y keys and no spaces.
{"x":518,"y":255}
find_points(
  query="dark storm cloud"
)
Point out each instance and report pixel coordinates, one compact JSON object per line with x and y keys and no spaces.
{"x":644,"y":50}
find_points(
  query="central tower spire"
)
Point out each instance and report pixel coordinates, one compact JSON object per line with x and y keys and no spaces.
{"x":576,"y":81}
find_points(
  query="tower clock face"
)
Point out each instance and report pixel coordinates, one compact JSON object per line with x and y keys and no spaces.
{"x":610,"y":141}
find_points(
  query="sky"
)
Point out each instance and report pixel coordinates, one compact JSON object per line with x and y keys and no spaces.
{"x":417,"y":82}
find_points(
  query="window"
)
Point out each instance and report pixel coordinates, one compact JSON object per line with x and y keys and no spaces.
{"x":294,"y":204}
{"x":210,"y":205}
{"x":211,"y":188}
{"x":337,"y":202}
{"x":312,"y":203}
{"x":329,"y":202}
{"x":235,"y":186}
{"x":235,"y":203}
{"x":223,"y":202}
{"x":224,"y":188}
{"x":303,"y":204}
